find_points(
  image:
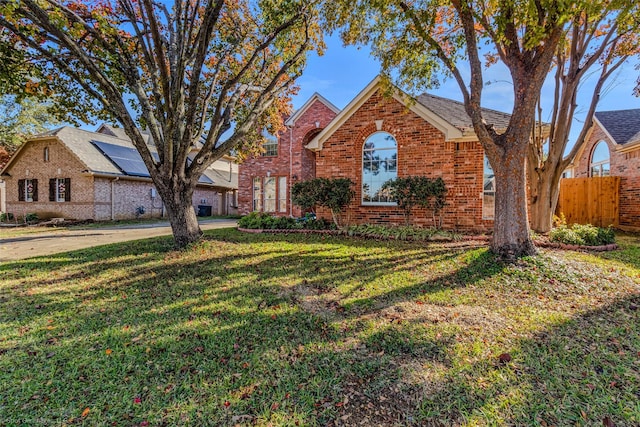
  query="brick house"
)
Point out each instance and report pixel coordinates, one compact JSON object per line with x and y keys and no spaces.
{"x":613,"y":148}
{"x":376,"y":138}
{"x":264,"y":182}
{"x":77,"y":174}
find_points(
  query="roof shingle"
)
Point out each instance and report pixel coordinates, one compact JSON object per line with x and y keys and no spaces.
{"x":622,"y":125}
{"x":455,"y":113}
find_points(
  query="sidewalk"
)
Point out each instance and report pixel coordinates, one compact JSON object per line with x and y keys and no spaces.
{"x":47,"y":243}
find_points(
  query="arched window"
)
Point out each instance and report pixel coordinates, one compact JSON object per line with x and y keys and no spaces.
{"x":46,"y":154}
{"x":379,"y":164}
{"x":600,"y":165}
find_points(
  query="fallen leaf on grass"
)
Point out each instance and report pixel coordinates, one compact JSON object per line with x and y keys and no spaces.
{"x":85,"y":412}
{"x":504,"y":358}
{"x":137,"y":400}
{"x":108,"y":351}
{"x":606,"y":422}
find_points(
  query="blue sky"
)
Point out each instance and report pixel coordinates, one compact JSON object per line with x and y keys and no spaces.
{"x":342,"y":72}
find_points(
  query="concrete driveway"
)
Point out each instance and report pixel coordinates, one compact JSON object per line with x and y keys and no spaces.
{"x":63,"y":240}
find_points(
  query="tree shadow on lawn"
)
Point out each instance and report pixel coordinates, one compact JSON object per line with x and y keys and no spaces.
{"x":137,"y":332}
{"x":628,"y":252}
{"x":581,"y":372}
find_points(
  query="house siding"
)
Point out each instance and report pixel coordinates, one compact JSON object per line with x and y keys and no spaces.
{"x":90,"y":194}
{"x":422,"y":150}
{"x":624,"y":165}
{"x":298,"y":166}
{"x":62,"y":164}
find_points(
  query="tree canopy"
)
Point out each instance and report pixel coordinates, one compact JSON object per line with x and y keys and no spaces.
{"x":211,"y":73}
{"x":20,"y":118}
{"x":599,"y":41}
{"x":419,"y":42}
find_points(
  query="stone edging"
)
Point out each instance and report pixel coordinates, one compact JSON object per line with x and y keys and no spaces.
{"x":285,"y":231}
{"x":554,"y":245}
{"x":482,"y":238}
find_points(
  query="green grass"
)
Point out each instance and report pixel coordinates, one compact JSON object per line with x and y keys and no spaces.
{"x":283,"y":330}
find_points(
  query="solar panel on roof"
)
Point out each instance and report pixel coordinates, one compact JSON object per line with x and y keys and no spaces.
{"x":204,"y":179}
{"x":128,"y":160}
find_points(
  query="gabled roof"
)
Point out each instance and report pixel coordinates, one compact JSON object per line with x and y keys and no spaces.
{"x":623,"y":126}
{"x":446,"y":115}
{"x":81,"y":144}
{"x":315,"y":97}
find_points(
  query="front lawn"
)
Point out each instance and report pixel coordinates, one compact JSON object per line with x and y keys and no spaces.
{"x":255,"y":329}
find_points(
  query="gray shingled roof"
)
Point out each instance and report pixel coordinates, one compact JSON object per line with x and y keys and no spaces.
{"x":79,"y":142}
{"x":622,"y":125}
{"x":454,"y":113}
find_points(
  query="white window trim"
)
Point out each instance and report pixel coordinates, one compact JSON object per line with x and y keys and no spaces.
{"x":601,"y":163}
{"x":362,"y":201}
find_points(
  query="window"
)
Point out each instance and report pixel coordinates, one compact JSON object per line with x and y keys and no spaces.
{"x":568,"y":173}
{"x":28,"y":190}
{"x":60,"y":190}
{"x":282,"y":194}
{"x":257,"y":194}
{"x":270,"y":194}
{"x":270,"y":146}
{"x":46,"y":154}
{"x":379,"y":165}
{"x":488,"y":191}
{"x":600,"y":165}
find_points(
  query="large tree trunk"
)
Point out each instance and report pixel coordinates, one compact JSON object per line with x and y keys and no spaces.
{"x":182,"y":216}
{"x":511,"y":237}
{"x":545,"y":191}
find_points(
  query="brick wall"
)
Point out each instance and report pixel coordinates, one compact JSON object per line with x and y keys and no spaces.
{"x":624,"y":165}
{"x":62,"y":163}
{"x":422,"y":150}
{"x":90,"y":196}
{"x":295,"y":167}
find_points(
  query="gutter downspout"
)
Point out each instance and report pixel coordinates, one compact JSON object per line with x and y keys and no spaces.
{"x":290,"y":183}
{"x":113,"y":200}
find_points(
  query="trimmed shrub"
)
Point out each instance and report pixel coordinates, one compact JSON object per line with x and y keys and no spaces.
{"x":582,"y":234}
{"x":334,"y":194}
{"x":264,"y":221}
{"x":6,"y":216}
{"x":412,"y":191}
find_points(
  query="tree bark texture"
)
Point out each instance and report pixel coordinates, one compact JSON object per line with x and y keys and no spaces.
{"x":511,"y":238}
{"x":544,"y":189}
{"x":182,"y":215}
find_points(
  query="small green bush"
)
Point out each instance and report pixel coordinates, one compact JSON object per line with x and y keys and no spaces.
{"x":6,"y":216}
{"x":31,"y":217}
{"x":334,"y":194}
{"x":264,"y":221}
{"x":582,"y":234}
{"x":399,"y":232}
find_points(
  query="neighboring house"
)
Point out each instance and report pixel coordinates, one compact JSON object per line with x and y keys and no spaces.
{"x":613,"y":149}
{"x":77,"y":174}
{"x":377,"y":138}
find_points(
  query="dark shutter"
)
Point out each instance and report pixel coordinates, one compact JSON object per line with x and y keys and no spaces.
{"x":52,"y":190}
{"x":67,"y":189}
{"x":21,"y":184}
{"x":35,"y":189}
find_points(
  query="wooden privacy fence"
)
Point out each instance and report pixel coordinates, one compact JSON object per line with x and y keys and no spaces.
{"x":590,"y":200}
